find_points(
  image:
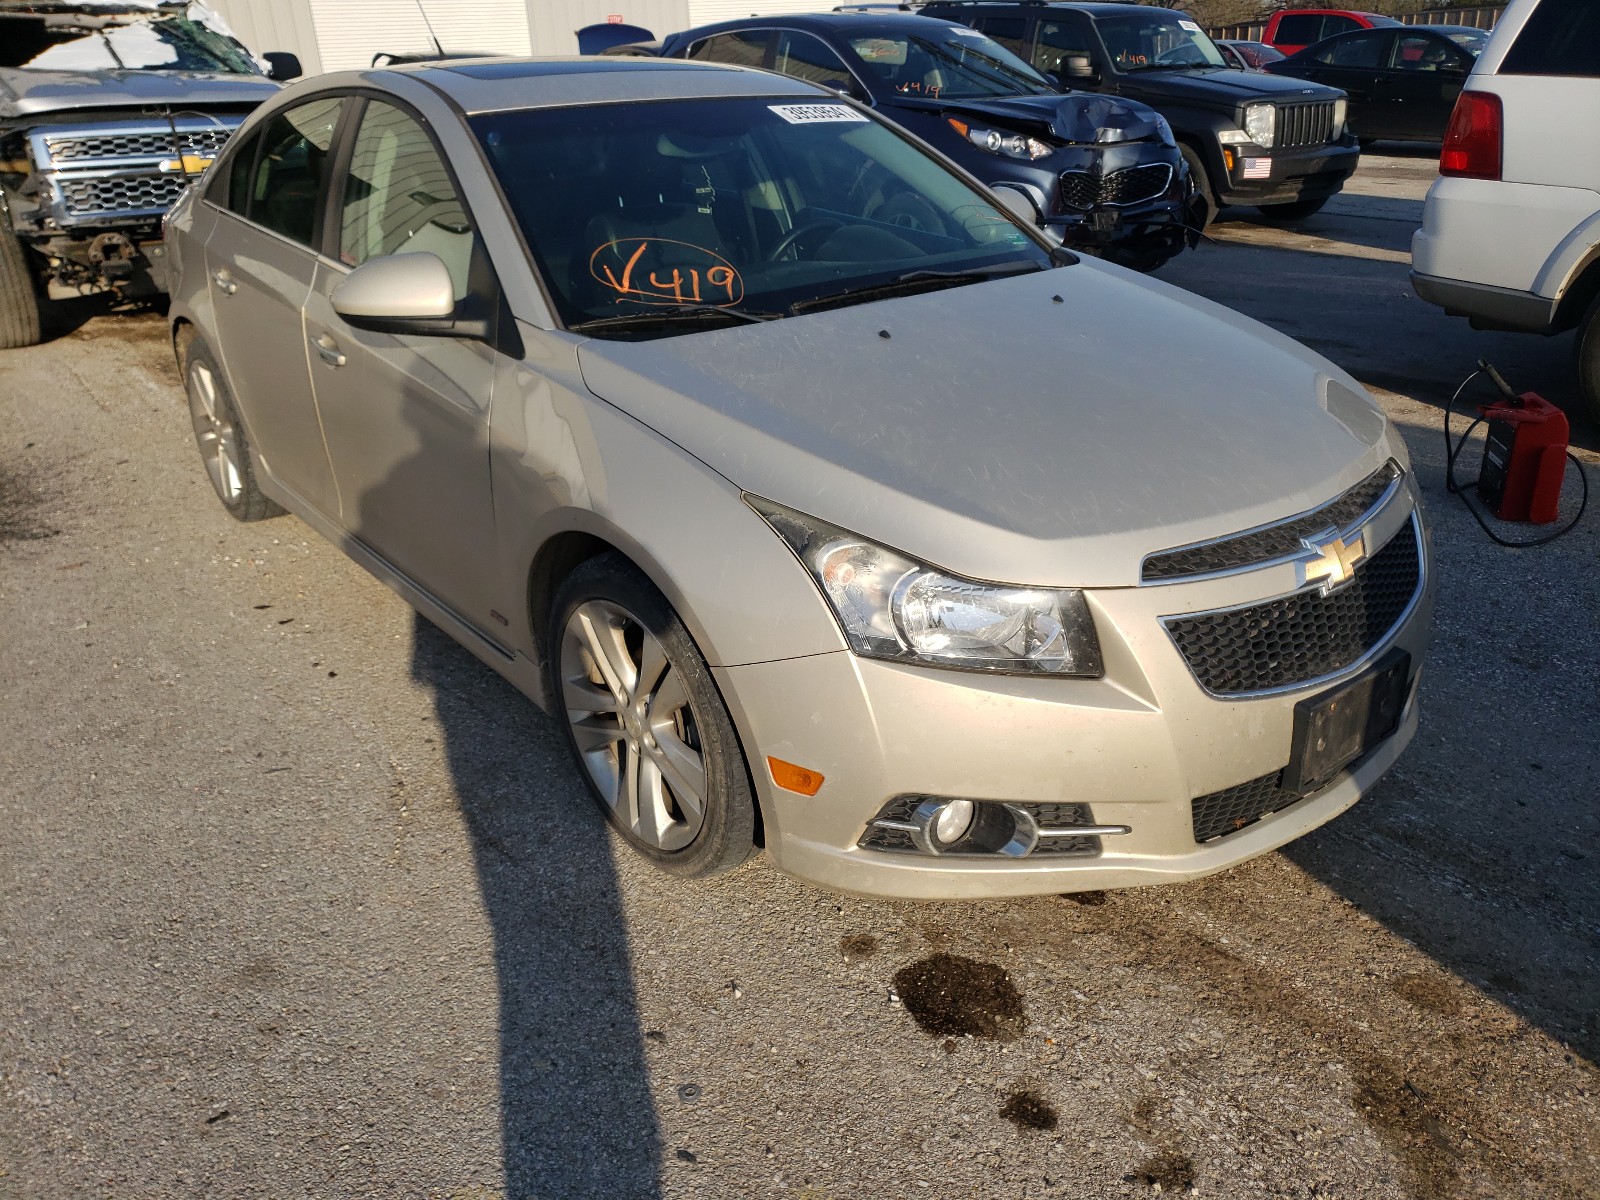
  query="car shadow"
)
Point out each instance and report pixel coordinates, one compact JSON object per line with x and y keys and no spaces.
{"x":576,"y":1114}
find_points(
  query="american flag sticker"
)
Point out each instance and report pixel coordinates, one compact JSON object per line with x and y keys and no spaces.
{"x":1258,"y":168}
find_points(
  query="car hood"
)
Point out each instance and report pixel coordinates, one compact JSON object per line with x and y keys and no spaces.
{"x":23,"y":93}
{"x":1072,"y":118}
{"x":1003,"y":435}
{"x":1217,"y":87}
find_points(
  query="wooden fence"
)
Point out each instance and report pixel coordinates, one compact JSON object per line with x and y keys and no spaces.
{"x":1481,"y":17}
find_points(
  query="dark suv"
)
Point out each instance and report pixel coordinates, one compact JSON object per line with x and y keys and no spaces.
{"x":1104,"y":172}
{"x":1278,"y":144}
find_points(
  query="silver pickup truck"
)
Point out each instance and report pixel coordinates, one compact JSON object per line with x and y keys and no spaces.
{"x":108,"y":110}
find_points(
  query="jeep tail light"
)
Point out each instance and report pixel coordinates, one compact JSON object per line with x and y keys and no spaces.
{"x":1473,"y":141}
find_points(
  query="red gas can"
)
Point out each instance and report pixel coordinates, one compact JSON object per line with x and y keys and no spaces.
{"x":1524,"y":459}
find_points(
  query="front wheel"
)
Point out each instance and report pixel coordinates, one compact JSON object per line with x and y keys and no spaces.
{"x":1202,"y":185}
{"x":1295,"y":210}
{"x":1586,"y":359}
{"x":646,"y":723}
{"x":19,"y":294}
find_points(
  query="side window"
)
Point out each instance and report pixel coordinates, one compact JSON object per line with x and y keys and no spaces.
{"x":1300,"y":29}
{"x":1358,"y":51}
{"x":806,"y":57}
{"x":1058,"y":39}
{"x":1562,"y":37}
{"x":398,"y":197}
{"x":1010,"y":32}
{"x":743,"y":48}
{"x":1419,"y":52}
{"x":1332,"y":25}
{"x":287,"y":179}
{"x":233,"y":190}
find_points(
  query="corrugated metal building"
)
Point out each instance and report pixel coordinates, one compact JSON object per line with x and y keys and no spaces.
{"x":336,"y":35}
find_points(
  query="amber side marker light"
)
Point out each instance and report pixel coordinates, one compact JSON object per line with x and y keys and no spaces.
{"x":792,"y":778}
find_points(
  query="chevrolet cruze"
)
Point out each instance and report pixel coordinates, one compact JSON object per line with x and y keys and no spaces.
{"x":933,"y":560}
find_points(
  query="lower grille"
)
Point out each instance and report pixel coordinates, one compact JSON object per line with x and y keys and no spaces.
{"x":1304,"y":125}
{"x":1231,"y":809}
{"x":1131,"y":185}
{"x":1307,"y":636}
{"x":121,"y":195}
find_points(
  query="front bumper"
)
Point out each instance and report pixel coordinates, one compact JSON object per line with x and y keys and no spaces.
{"x":1289,"y":175}
{"x":1137,"y":747}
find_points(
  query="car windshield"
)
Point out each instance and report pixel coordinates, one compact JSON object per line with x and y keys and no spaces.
{"x":652,"y":219}
{"x":954,"y":64}
{"x":79,"y":43}
{"x":1156,"y":41}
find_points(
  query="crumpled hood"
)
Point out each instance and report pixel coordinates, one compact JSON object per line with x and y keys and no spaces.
{"x":1003,"y":435}
{"x":23,"y":93}
{"x":1071,"y":118}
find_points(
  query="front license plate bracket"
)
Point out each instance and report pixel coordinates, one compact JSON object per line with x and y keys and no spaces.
{"x":1335,"y":728}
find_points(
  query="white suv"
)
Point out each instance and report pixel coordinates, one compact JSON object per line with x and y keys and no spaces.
{"x":1510,"y":234}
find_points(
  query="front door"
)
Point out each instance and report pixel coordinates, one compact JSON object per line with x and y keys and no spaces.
{"x":407,"y":418}
{"x":260,"y":262}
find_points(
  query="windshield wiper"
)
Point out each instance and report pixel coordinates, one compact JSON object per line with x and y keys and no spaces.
{"x":910,"y":283}
{"x":688,"y":314}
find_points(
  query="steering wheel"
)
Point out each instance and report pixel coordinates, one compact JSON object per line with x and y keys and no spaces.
{"x":805,"y":229}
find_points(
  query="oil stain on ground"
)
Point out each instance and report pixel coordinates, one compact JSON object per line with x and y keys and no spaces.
{"x":1028,"y":1109}
{"x":855,"y":946}
{"x":20,"y":502}
{"x":951,"y":996}
{"x":1170,"y":1170}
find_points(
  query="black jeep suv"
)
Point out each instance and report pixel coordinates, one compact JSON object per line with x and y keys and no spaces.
{"x":1276,"y":143}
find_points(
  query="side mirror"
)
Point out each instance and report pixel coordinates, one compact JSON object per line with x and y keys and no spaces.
{"x":407,"y":293}
{"x":282,"y":66}
{"x":1078,"y":66}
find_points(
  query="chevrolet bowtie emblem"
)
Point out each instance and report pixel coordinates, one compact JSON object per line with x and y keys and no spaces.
{"x":1331,"y":562}
{"x":189,"y":164}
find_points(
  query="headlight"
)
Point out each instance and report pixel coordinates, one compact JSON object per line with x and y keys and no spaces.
{"x":1261,"y":123}
{"x":1341,"y":109}
{"x":895,"y":608}
{"x":1012,"y":145}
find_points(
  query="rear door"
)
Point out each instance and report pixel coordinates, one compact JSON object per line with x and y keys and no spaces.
{"x":1355,"y":63}
{"x":407,"y":417}
{"x":260,"y":263}
{"x":1425,"y":74}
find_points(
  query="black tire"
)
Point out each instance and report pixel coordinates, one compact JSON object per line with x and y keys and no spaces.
{"x":726,"y":834}
{"x":1202,"y":184}
{"x":1586,"y":361}
{"x":224,"y":446}
{"x":19,"y":293}
{"x":1295,"y":210}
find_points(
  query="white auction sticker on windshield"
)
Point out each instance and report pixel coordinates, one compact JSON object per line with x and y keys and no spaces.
{"x":810,"y":114}
{"x":1190,"y":26}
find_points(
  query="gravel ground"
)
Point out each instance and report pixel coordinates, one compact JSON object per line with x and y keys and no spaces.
{"x":297,"y":899}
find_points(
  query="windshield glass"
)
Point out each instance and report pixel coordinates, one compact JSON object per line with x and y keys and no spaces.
{"x":78,"y":43}
{"x":1157,"y":40}
{"x":690,"y":212}
{"x":1471,"y":40}
{"x":960,"y":64}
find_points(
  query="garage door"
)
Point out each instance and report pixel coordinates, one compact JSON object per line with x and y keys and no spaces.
{"x":350,"y":32}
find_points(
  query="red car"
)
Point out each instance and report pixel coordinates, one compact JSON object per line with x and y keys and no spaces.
{"x":1296,"y":28}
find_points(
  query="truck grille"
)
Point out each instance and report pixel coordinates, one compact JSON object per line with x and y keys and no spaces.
{"x":1304,"y":125}
{"x":163,"y":144}
{"x":123,"y":170}
{"x":122,"y":195}
{"x":1131,"y":185}
{"x":1275,"y":543}
{"x":1305,"y":637}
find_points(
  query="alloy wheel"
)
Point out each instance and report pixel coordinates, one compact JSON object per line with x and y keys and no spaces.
{"x":214,"y":430}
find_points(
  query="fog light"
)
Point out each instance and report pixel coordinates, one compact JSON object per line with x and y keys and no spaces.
{"x":952,"y":823}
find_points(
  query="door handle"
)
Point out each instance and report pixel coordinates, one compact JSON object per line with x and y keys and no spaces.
{"x":225,"y":283}
{"x":328,"y":351}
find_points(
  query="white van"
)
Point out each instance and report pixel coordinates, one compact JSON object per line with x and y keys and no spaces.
{"x":1510,"y":234}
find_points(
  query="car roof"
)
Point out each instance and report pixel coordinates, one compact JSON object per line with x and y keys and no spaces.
{"x":1095,"y":10}
{"x":820,"y":22}
{"x":484,"y":85}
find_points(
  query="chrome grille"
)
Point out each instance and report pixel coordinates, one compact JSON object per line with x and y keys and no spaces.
{"x":123,"y":195}
{"x":1307,"y":636}
{"x":162,"y":143}
{"x":1131,"y":185}
{"x":1275,"y":543}
{"x":1304,"y":125}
